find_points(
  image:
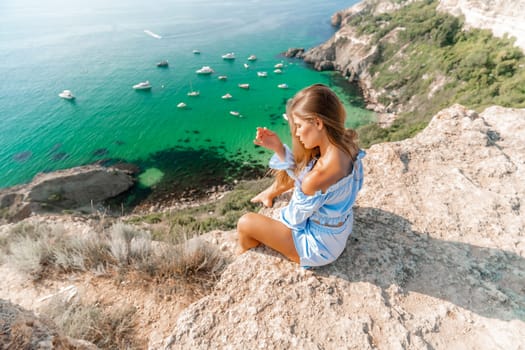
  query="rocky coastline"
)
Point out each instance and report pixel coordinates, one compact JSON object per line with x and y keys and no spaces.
{"x":352,"y":54}
{"x":81,"y":188}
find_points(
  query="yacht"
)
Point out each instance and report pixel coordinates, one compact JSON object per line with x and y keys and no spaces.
{"x":277,"y":71}
{"x":228,"y":56}
{"x":244,"y":86}
{"x":252,"y":58}
{"x":226,"y":96}
{"x":235,"y":113}
{"x":204,"y":70}
{"x":181,"y":105}
{"x":145,"y":85}
{"x":262,"y":74}
{"x":194,"y":93}
{"x":223,"y":77}
{"x":67,"y":94}
{"x":196,"y":52}
{"x":282,"y":86}
{"x":246,"y":65}
{"x":278,"y":65}
{"x":162,"y":64}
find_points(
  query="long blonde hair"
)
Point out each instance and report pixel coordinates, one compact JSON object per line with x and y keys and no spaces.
{"x":318,"y":101}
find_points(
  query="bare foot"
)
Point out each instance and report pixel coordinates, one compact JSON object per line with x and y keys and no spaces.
{"x":265,"y":197}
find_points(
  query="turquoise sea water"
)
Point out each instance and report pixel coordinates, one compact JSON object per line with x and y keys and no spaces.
{"x":99,"y":49}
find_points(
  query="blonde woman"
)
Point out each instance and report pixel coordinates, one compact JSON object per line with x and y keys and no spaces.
{"x":325,"y":171}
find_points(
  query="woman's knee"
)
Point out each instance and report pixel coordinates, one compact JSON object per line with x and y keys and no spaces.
{"x":245,"y":222}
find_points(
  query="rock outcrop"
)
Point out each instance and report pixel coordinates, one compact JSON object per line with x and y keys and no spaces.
{"x":500,"y":16}
{"x":435,"y":261}
{"x":22,"y":329}
{"x":64,"y":189}
{"x":352,"y":54}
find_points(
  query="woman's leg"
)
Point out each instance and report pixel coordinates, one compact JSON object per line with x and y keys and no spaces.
{"x":255,"y":229}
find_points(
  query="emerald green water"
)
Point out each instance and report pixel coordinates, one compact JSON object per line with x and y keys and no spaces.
{"x":99,"y":50}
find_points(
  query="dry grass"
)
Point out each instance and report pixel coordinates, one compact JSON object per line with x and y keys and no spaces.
{"x":182,"y":265}
{"x":188,"y":267}
{"x":47,"y":249}
{"x":108,"y":328}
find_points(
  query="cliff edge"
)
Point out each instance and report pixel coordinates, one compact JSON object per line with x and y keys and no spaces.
{"x":435,"y":261}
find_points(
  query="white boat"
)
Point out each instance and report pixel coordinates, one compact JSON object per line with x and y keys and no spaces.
{"x":181,"y":105}
{"x":193,"y":92}
{"x":282,"y":86}
{"x":145,"y":85}
{"x":228,"y":56}
{"x":196,"y":52}
{"x":244,"y":86}
{"x":204,"y":70}
{"x":67,"y":94}
{"x":226,"y":96}
{"x":285,"y":116}
{"x":262,"y":74}
{"x":246,"y":65}
{"x":278,"y":65}
{"x":222,"y":77}
{"x":252,"y":58}
{"x":235,"y":113}
{"x":277,"y":71}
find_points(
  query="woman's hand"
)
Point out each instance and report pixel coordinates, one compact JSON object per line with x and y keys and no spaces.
{"x":268,"y":139}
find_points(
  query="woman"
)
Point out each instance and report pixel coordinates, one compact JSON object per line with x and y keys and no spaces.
{"x":324,"y":168}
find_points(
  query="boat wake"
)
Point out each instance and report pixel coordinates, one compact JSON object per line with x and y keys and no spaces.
{"x":150,"y":33}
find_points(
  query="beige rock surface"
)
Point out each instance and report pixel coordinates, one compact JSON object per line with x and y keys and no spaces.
{"x":436,"y":260}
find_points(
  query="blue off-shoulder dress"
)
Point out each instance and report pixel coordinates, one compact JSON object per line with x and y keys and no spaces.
{"x":322,"y":222}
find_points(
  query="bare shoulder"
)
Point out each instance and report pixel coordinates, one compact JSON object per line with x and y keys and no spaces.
{"x":326,"y":173}
{"x":314,"y":181}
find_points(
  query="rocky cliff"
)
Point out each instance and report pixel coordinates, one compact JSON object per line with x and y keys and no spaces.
{"x":435,"y":261}
{"x":353,"y":54}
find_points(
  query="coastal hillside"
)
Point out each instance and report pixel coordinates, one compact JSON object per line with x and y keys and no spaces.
{"x":412,"y":59}
{"x":436,"y":259}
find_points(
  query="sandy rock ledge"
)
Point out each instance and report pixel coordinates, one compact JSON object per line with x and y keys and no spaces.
{"x":436,"y":260}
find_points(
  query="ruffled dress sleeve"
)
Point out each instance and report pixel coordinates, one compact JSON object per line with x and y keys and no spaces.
{"x":301,"y":207}
{"x":288,"y":164}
